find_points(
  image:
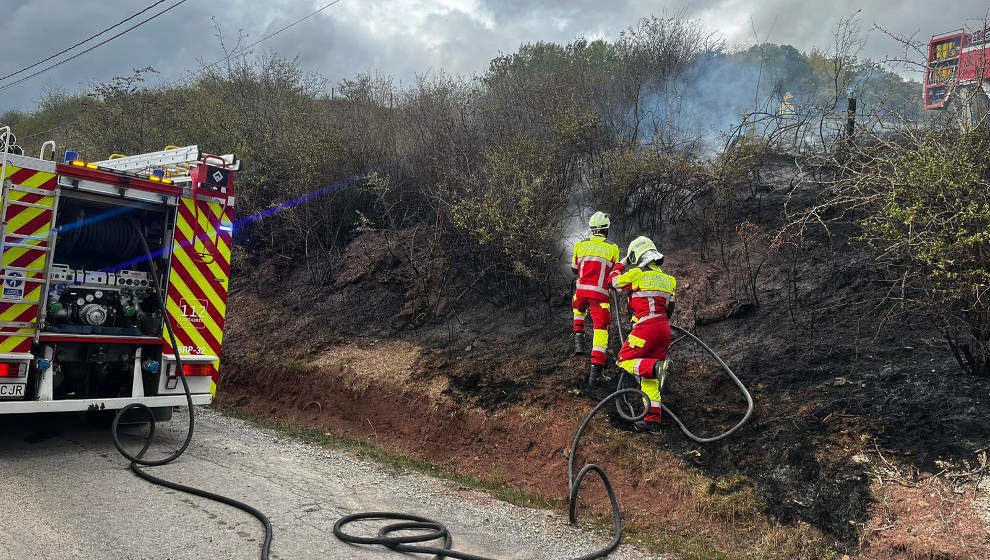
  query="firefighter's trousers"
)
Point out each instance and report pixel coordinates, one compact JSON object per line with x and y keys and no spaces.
{"x":646,"y":346}
{"x":601,"y":316}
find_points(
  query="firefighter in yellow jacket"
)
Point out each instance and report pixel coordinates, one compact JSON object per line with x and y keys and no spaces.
{"x":592,"y":263}
{"x":651,"y":301}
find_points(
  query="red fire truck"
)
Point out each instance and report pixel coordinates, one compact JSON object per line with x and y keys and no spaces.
{"x":956,"y":73}
{"x":81,"y":325}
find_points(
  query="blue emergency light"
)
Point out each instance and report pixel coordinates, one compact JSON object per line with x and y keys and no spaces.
{"x":71,"y":156}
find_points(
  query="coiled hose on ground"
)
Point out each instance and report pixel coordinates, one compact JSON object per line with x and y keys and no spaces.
{"x":617,"y":319}
{"x":427,"y":530}
{"x":435,"y":530}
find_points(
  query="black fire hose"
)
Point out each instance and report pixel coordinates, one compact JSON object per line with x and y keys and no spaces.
{"x":427,"y":529}
{"x":432,"y":530}
{"x":617,"y":319}
{"x":137,"y":460}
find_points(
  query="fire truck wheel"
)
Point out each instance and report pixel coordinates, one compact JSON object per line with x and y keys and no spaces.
{"x":100,"y":418}
{"x":162,"y":413}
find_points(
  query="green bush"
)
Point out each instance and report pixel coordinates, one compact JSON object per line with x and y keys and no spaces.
{"x":929,"y":220}
{"x":512,"y":208}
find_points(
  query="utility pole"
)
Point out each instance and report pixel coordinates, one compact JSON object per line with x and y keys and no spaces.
{"x":851,"y":118}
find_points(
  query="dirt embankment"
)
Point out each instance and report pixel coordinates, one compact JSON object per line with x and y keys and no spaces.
{"x":437,"y":405}
{"x":862,"y":444}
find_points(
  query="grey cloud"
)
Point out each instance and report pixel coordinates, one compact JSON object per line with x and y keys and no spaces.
{"x":404,"y":38}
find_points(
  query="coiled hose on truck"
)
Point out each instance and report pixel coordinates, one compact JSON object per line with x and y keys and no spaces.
{"x":617,"y":319}
{"x":427,"y":529}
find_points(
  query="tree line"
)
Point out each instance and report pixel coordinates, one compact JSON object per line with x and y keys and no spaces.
{"x":490,"y":178}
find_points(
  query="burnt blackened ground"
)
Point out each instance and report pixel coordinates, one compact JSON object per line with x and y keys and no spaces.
{"x":831,"y":395}
{"x":837,"y":390}
{"x":829,"y":401}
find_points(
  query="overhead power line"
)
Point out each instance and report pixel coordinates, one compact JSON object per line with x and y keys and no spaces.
{"x":86,"y":40}
{"x":241,"y":50}
{"x":101,"y":43}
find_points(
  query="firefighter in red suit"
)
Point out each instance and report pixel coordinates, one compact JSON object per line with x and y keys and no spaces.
{"x":651,"y":301}
{"x":592,"y":263}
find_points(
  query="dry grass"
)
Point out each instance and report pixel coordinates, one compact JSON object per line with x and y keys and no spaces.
{"x":366,"y":361}
{"x":730,"y":499}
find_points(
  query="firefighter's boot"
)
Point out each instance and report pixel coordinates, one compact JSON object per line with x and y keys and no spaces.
{"x":644,"y":426}
{"x":660,"y":372}
{"x":579,"y":344}
{"x":595,"y":373}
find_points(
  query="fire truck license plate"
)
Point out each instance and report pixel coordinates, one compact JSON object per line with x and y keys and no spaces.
{"x":11,"y":390}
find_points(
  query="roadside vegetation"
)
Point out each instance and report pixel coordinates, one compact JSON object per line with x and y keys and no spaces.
{"x":842,"y":271}
{"x":663,"y":128}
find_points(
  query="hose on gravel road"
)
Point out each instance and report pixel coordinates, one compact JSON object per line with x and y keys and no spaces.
{"x":138,"y":460}
{"x":426,"y":530}
{"x":403,"y":543}
{"x":684,"y":334}
{"x":432,"y":530}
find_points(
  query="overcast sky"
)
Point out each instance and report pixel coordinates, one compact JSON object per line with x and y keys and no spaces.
{"x":404,"y":38}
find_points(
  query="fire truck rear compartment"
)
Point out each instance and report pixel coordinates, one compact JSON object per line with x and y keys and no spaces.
{"x":100,"y":285}
{"x":100,"y":281}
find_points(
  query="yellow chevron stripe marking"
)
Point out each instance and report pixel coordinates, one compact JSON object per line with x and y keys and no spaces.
{"x":206,"y":232}
{"x":213,"y":267}
{"x":21,"y":195}
{"x":188,"y":295}
{"x":206,"y":226}
{"x":38,"y":179}
{"x":10,"y":343}
{"x":215,"y":235}
{"x":11,"y":254}
{"x":26,"y":214}
{"x":204,"y":284}
{"x":10,"y":331}
{"x":38,"y":263}
{"x":14,"y":311}
{"x":34,"y":294}
{"x":183,"y":254}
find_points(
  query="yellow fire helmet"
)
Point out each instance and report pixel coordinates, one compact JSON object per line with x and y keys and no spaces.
{"x":642,"y":251}
{"x":599,"y":220}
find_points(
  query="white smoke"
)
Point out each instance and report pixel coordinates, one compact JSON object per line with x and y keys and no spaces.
{"x":574,"y":223}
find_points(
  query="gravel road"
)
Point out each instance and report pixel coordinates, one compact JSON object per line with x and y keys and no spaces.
{"x":65,"y":493}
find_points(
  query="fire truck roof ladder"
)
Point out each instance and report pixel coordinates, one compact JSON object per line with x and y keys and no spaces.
{"x":173,"y":160}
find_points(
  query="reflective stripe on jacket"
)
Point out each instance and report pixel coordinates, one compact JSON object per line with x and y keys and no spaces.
{"x":593,"y":260}
{"x":651,"y":290}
